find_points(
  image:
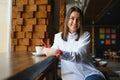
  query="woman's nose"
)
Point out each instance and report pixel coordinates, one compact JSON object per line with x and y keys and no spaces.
{"x":75,"y":21}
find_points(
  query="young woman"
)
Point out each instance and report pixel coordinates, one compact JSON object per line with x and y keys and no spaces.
{"x":74,"y":44}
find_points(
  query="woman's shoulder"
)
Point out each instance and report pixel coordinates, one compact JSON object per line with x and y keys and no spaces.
{"x":58,"y":34}
{"x":86,"y":34}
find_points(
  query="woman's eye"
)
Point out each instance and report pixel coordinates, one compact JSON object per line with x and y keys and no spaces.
{"x":72,"y":18}
{"x":78,"y":20}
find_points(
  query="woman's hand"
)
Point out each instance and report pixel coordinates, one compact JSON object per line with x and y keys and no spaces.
{"x":50,"y":51}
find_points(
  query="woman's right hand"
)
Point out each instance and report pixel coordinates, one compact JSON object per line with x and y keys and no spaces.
{"x":50,"y":51}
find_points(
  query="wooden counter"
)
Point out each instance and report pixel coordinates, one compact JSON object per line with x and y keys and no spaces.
{"x":25,"y":66}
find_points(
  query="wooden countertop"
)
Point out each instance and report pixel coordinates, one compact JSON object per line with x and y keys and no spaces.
{"x":14,"y":63}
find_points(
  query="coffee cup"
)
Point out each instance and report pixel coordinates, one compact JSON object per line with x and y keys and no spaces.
{"x":39,"y":49}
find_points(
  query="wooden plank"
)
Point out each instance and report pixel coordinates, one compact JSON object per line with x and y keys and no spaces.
{"x":38,"y":35}
{"x":19,"y":21}
{"x":40,"y":28}
{"x":24,"y":41}
{"x":21,"y":2}
{"x":28,"y":35}
{"x":18,"y":28}
{"x":41,"y":14}
{"x":20,"y":48}
{"x":41,"y":21}
{"x":42,"y":8}
{"x":20,"y":35}
{"x":12,"y":34}
{"x":41,"y":1}
{"x":28,"y":28}
{"x":27,"y":14}
{"x":30,"y":21}
{"x":36,"y":42}
{"x":30,"y":8}
{"x":14,"y":12}
{"x":20,"y":7}
{"x":31,"y":2}
{"x":13,"y":28}
{"x":14,"y":42}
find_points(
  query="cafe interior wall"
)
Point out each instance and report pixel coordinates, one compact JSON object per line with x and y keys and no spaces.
{"x":5,"y":22}
{"x":106,"y":37}
{"x":31,"y":22}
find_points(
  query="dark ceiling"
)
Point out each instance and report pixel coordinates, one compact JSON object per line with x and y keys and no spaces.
{"x":103,"y":12}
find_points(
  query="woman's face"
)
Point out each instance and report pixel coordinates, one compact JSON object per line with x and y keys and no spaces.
{"x":74,"y":22}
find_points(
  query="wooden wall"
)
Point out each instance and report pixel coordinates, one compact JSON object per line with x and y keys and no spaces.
{"x":30,"y":23}
{"x":62,"y":14}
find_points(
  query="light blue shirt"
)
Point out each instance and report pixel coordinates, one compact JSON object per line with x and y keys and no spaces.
{"x":76,"y":61}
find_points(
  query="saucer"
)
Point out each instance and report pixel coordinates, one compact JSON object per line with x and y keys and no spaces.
{"x":38,"y":54}
{"x":98,"y":59}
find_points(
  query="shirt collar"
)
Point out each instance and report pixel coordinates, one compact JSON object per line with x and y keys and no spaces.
{"x":72,"y":35}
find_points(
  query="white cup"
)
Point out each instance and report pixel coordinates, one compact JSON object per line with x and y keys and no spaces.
{"x":39,"y":49}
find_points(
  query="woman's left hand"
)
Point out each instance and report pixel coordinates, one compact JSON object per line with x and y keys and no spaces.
{"x":50,"y":51}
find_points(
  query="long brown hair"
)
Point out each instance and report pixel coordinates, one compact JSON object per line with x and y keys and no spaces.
{"x":66,"y":30}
